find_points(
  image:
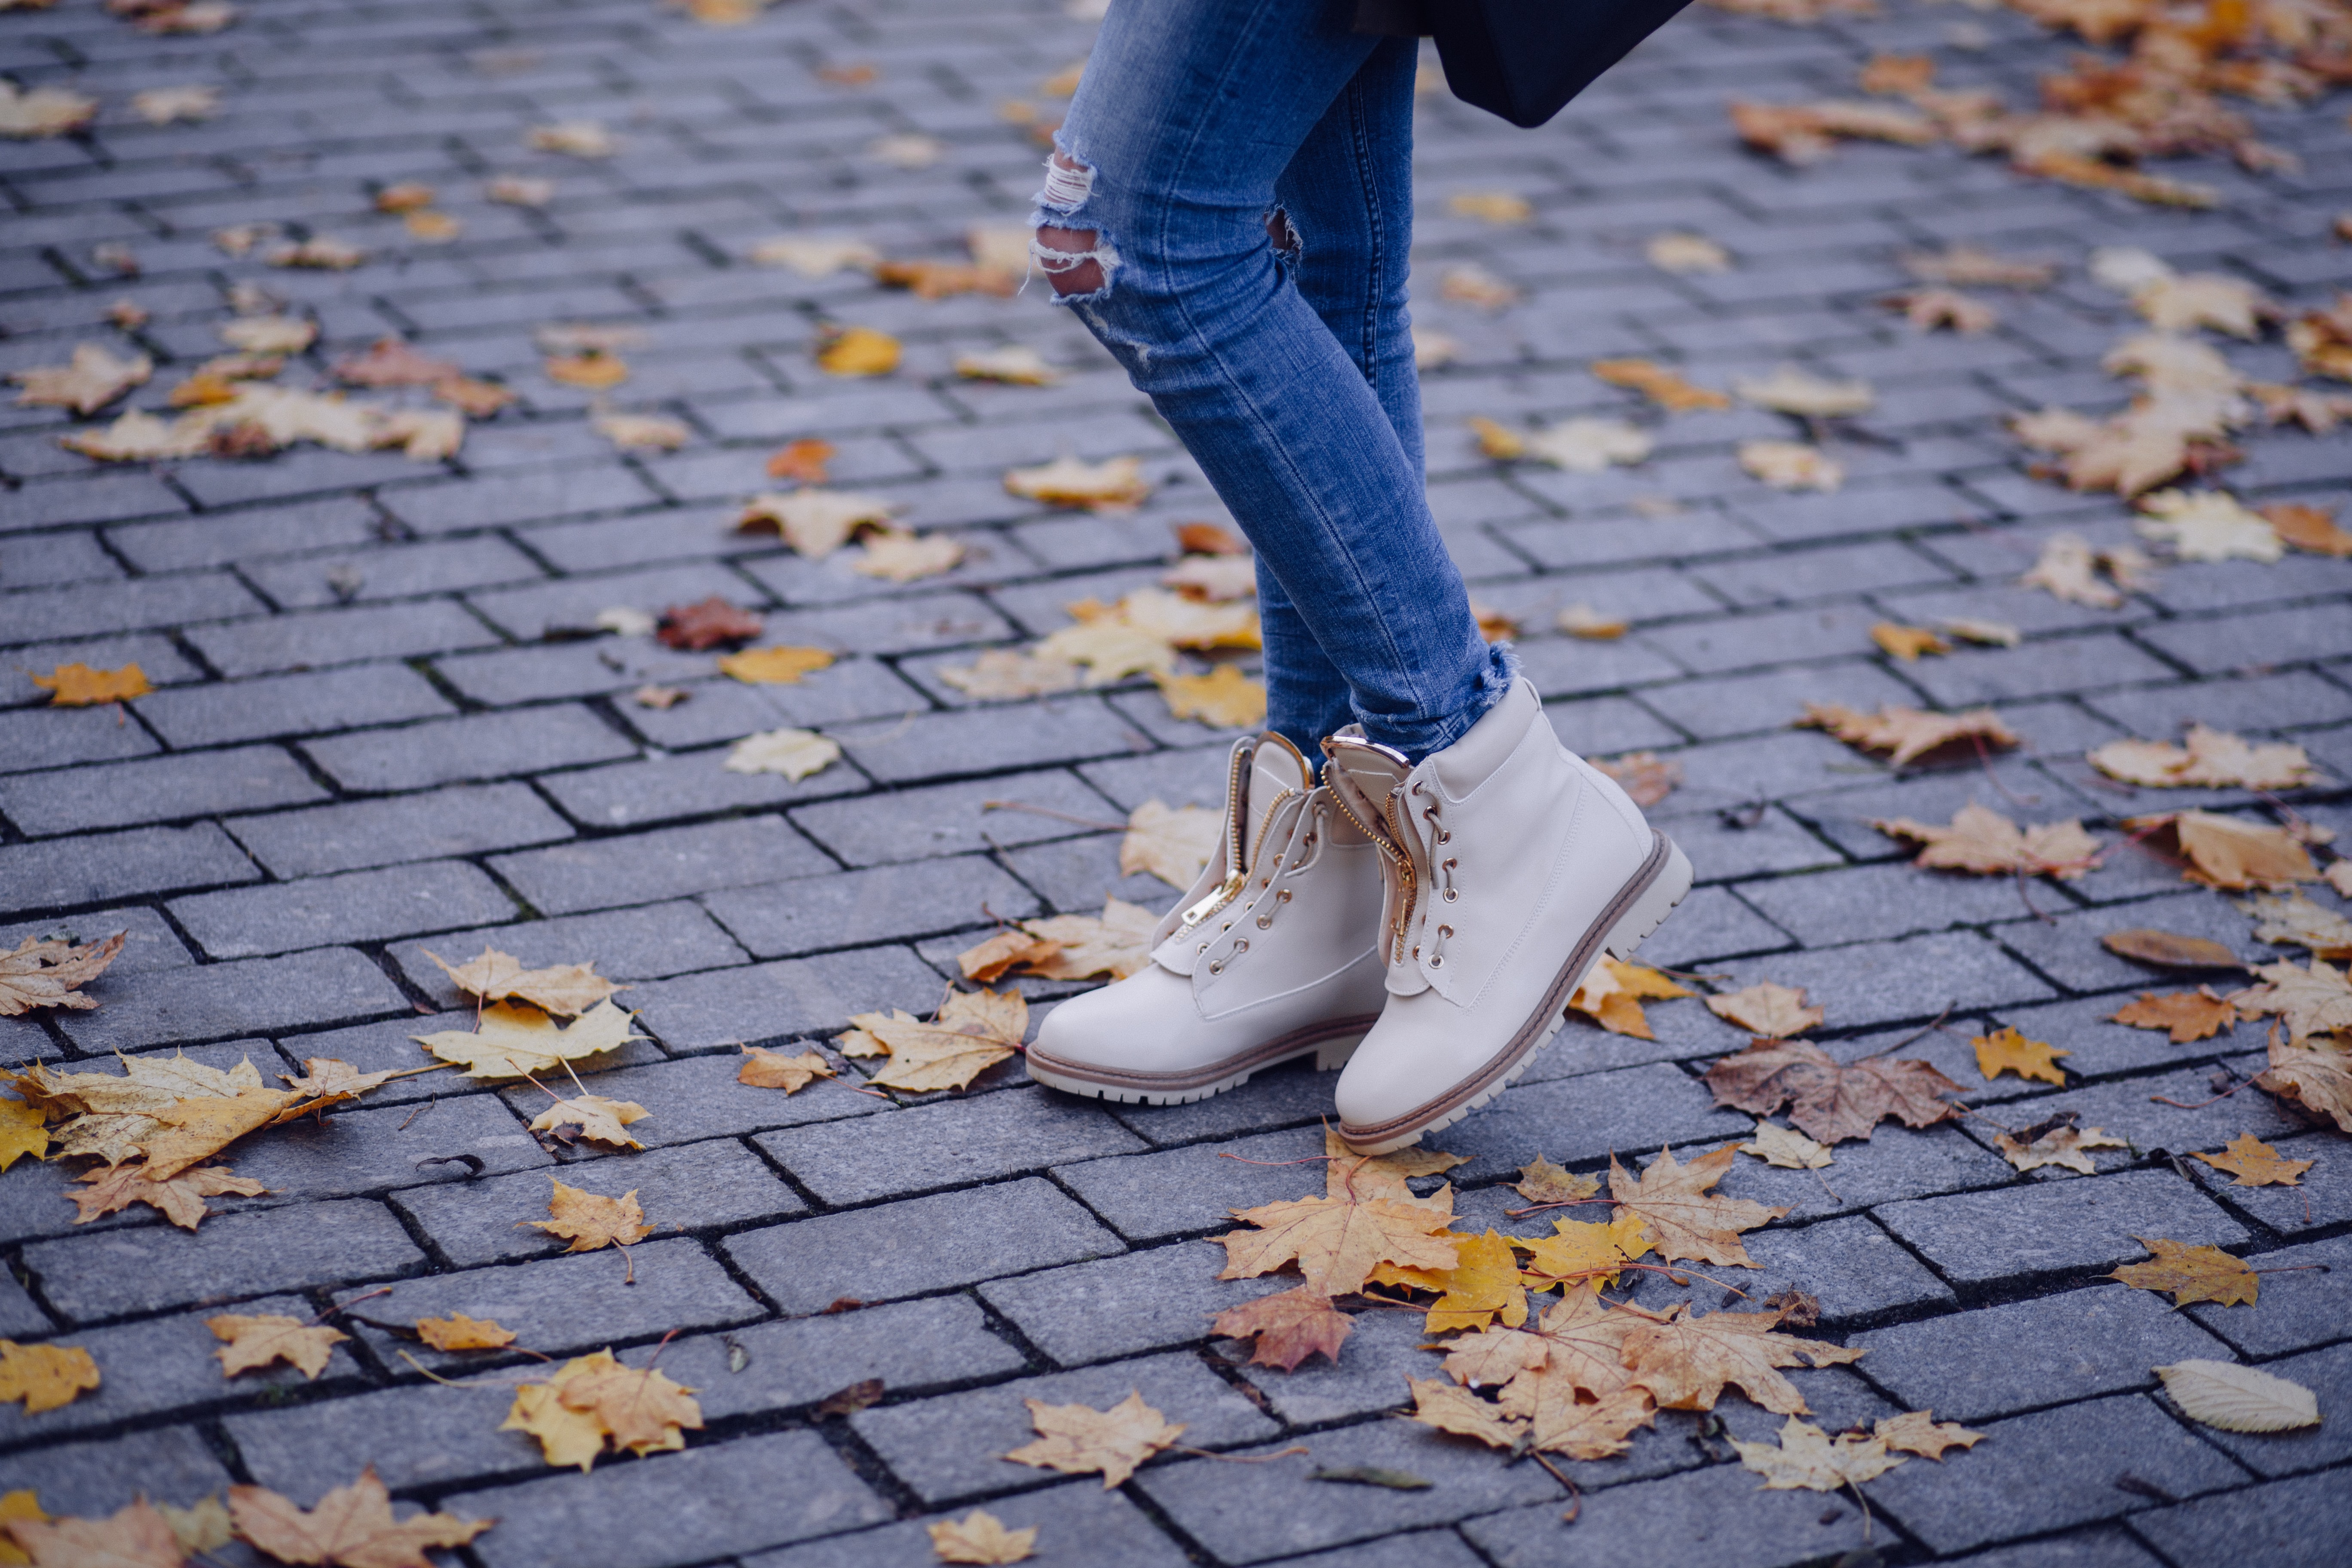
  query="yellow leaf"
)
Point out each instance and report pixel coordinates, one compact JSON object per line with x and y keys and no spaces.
{"x":2006,"y":1050}
{"x":589,"y":1221}
{"x":1612,"y":995}
{"x":1790,"y":390}
{"x":814,"y":522}
{"x":1790,"y":465}
{"x":2211,"y":758}
{"x":980,"y":1537}
{"x":1659,"y":385}
{"x":764,"y":1069}
{"x":1907,"y":643}
{"x":1483,"y":1284}
{"x":1907,"y":734}
{"x":2228,"y":853}
{"x":80,"y":685}
{"x":1918,"y":1432}
{"x":2193,"y":1274}
{"x":2255,"y":1164}
{"x":198,"y":1128}
{"x":352,"y":1527}
{"x":1117,"y":944}
{"x":1224,"y":699}
{"x":594,"y":372}
{"x":23,"y":1130}
{"x":1789,"y":1150}
{"x":1001,"y":673}
{"x":257,"y":1340}
{"x":899,"y":555}
{"x":1685,"y":1361}
{"x":858,"y":350}
{"x":1686,"y":253}
{"x":2186,"y":1015}
{"x":45,"y":1377}
{"x":2061,"y":1146}
{"x":569,"y":989}
{"x":180,"y":1198}
{"x":1684,"y":1220}
{"x":774,"y":665}
{"x":460,"y":1332}
{"x":592,"y":1117}
{"x":1078,"y":1439}
{"x":90,"y":381}
{"x":1173,"y":844}
{"x":1805,"y":1457}
{"x":1588,"y":1250}
{"x":1491,"y":206}
{"x":1983,"y":841}
{"x":972,"y":1032}
{"x":515,"y":1041}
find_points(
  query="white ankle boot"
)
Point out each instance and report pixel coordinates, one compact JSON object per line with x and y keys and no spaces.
{"x":1272,"y":954}
{"x":1510,"y":865}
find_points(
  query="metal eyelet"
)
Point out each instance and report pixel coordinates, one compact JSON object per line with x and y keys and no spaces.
{"x":1445,"y":835}
{"x":1265,"y":923}
{"x":1218,"y":967}
{"x":1437,"y":960}
{"x":1241,"y":945}
{"x":1452,"y":895}
{"x":1282,"y":896}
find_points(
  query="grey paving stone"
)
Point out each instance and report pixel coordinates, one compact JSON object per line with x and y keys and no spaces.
{"x":356,"y":906}
{"x":2068,"y":951}
{"x":479,"y":746}
{"x":1077,"y":1524}
{"x":1629,"y":1111}
{"x":571,"y":1304}
{"x":2102,"y":1048}
{"x":470,"y":1218}
{"x":98,"y":868}
{"x":1235,"y":1512}
{"x":635,"y":944}
{"x":1844,"y":813}
{"x":697,"y":784}
{"x":1124,"y":1306}
{"x":762,"y":1002}
{"x":2135,"y":1110}
{"x":170,"y":1464}
{"x":1716,"y":1512}
{"x":465,"y":820}
{"x":1880,"y":902}
{"x":422,"y":1435}
{"x":2280,"y":1524}
{"x":914,"y":824}
{"x":1291,"y":1093}
{"x":95,"y":608}
{"x":342,"y":635}
{"x":2079,"y":1227}
{"x":700,"y":1096}
{"x":1146,"y":1197}
{"x":539,"y":671}
{"x":376,"y":1149}
{"x":156,"y":788}
{"x":331,"y":986}
{"x":2300,"y":1305}
{"x":1995,"y":1360}
{"x":1853,"y":1269}
{"x":56,"y":737}
{"x":2049,"y":1470}
{"x":1884,"y":981}
{"x":164,"y":1364}
{"x":1383,"y":1350}
{"x":2328,"y":1375}
{"x":21,"y":1317}
{"x":1711,"y":923}
{"x":2084,"y":1549}
{"x":882,"y":903}
{"x":1417,"y":1549}
{"x":675,"y":1508}
{"x":916,"y":1246}
{"x":947,"y":1447}
{"x":304,"y":704}
{"x":950,"y":1143}
{"x":116,"y":1273}
{"x":1076,"y":875}
{"x":600,"y":872}
{"x":1895,"y":1162}
{"x":911,"y":1346}
{"x":944,"y":745}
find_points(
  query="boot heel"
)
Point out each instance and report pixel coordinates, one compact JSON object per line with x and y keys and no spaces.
{"x":1332,"y":1054}
{"x":1651,"y":909}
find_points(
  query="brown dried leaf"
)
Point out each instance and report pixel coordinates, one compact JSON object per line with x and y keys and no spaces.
{"x":2254,"y":1164}
{"x":460,"y":1332}
{"x":566,"y":989}
{"x":1983,"y":841}
{"x":1908,"y":735}
{"x":973,"y":1031}
{"x":136,"y":1536}
{"x":180,"y":1199}
{"x":47,"y":972}
{"x":1117,"y":944}
{"x":1644,"y":776}
{"x":2186,"y":1015}
{"x":2061,"y":1146}
{"x":2310,"y":529}
{"x":1805,"y":1457}
{"x":1612,"y":993}
{"x":2224,"y":852}
{"x":257,"y":1340}
{"x":2169,"y":950}
{"x":1545,"y":1182}
{"x":980,"y":1537}
{"x":2314,"y":1000}
{"x":589,"y":1221}
{"x":1450,"y":1407}
{"x":90,"y":381}
{"x":352,"y":1527}
{"x":1683,"y":1219}
{"x":1660,"y":386}
{"x":1337,"y":1241}
{"x":1829,"y":1101}
{"x":1288,"y":1327}
{"x":2294,"y":921}
{"x":2193,"y":1274}
{"x":1115,"y":485}
{"x":696,"y":627}
{"x":80,"y":685}
{"x":1077,"y":1440}
{"x":1173,"y":844}
{"x":1686,"y":1361}
{"x":1918,"y":1432}
{"x":764,"y":1069}
{"x":2211,"y":758}
{"x":1224,"y":699}
{"x":591,"y":1117}
{"x":1769,"y":1011}
{"x":516,"y":1041}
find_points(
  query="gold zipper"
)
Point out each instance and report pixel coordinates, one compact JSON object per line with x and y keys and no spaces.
{"x":1236,"y":875}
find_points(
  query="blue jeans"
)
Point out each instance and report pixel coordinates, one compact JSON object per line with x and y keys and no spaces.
{"x":1230,"y":211}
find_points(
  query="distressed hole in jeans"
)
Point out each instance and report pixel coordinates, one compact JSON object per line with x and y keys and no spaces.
{"x":1076,"y":261}
{"x":1285,"y":238}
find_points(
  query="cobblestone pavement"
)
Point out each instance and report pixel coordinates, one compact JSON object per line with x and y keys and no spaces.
{"x":371,"y":736}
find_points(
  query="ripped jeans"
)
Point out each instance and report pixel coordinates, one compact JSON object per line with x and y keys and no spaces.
{"x":1229,"y":210}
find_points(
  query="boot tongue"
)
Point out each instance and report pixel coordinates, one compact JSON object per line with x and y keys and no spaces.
{"x":1274,"y":766}
{"x":1363,"y":775}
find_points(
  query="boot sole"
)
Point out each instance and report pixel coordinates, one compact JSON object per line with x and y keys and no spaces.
{"x":1639,"y":908}
{"x":1332,"y":1042}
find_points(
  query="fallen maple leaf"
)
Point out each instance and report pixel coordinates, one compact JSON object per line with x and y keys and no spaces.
{"x":2069,"y":569}
{"x":1212,"y":578}
{"x":1684,"y":1220}
{"x":1685,"y":1361}
{"x":45,"y":1377}
{"x":764,"y":1069}
{"x":2317,"y":1075}
{"x":1288,"y":1327}
{"x":774,"y":665}
{"x":642,"y":432}
{"x":1111,"y":650}
{"x":1792,"y":466}
{"x":1450,"y":1407}
{"x":180,"y":1198}
{"x":78,"y":685}
{"x":1118,"y":942}
{"x":1918,"y":1432}
{"x":2169,"y":950}
{"x":569,"y":989}
{"x":2062,"y":1146}
{"x":1337,"y":1241}
{"x":2006,"y":1050}
{"x":2314,"y":1000}
{"x":136,"y":1536}
{"x":460,"y":1332}
{"x":857,"y":352}
{"x":589,"y":1221}
{"x":23,"y":1130}
{"x":640,"y":1411}
{"x":1771,"y":1012}
{"x":47,"y":972}
{"x":2192,"y":1273}
{"x":256,"y":1341}
{"x":2186,"y":1015}
{"x":1483,"y":1287}
{"x":1778,"y":1145}
{"x":1908,"y":735}
{"x":1829,"y":1101}
{"x":2223,"y":852}
{"x":1224,"y":699}
{"x":1545,"y":1182}
{"x":814,"y":522}
{"x":1078,"y":1439}
{"x":1612,"y":993}
{"x":1991,"y":634}
{"x":699,"y":627}
{"x":1016,"y":364}
{"x":1983,"y":841}
{"x":320,"y":253}
{"x":1002,"y":673}
{"x":518,"y":191}
{"x":1805,"y":1457}
{"x":1644,"y":776}
{"x":796,"y":753}
{"x":802,"y":460}
{"x":1173,"y":844}
{"x":204,"y":1528}
{"x":2254,"y":1164}
{"x":592,"y":1117}
{"x":971,"y":1032}
{"x":90,"y":381}
{"x":989,"y":960}
{"x":1790,"y":390}
{"x":515,"y":1042}
{"x":43,"y":111}
{"x":2184,"y":303}
{"x":352,"y":1527}
{"x":1582,"y":1252}
{"x":2208,"y":526}
{"x":2236,"y":1399}
{"x":594,"y":372}
{"x":1660,"y":386}
{"x":1907,"y":643}
{"x":980,"y":1537}
{"x":2292,"y":920}
{"x":1116,"y":485}
{"x":899,"y":555}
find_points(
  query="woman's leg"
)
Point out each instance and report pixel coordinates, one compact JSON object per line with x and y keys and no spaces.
{"x":1186,"y":133}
